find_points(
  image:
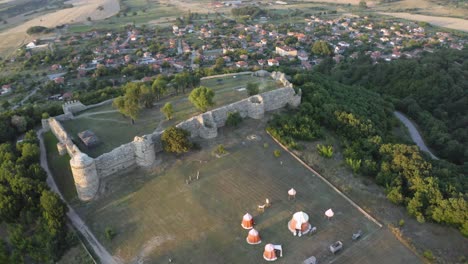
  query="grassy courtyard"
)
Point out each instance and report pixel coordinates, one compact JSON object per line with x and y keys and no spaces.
{"x":113,"y":129}
{"x":157,"y":216}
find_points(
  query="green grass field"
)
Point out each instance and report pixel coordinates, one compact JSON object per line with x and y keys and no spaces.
{"x":157,"y":216}
{"x":60,"y":167}
{"x":114,"y":129}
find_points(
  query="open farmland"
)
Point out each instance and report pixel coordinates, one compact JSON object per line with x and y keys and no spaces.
{"x":447,"y":22}
{"x":82,"y":9}
{"x":114,"y":129}
{"x":157,"y":216}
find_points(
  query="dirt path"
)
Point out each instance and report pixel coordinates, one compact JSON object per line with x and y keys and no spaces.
{"x":75,"y":219}
{"x":417,"y":138}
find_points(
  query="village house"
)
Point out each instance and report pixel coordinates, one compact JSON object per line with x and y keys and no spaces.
{"x":242,"y":64}
{"x":273,"y":62}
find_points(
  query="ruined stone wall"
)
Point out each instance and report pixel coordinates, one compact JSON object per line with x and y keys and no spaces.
{"x":118,"y":159}
{"x":73,"y":107}
{"x":146,"y":150}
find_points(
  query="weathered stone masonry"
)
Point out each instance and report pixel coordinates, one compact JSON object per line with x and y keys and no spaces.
{"x":145,"y":151}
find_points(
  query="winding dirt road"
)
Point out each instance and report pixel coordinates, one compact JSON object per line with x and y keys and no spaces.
{"x":104,"y":256}
{"x":414,"y":133}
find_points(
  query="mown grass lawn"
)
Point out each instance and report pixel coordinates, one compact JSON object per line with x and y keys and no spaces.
{"x":113,"y":129}
{"x":157,"y":216}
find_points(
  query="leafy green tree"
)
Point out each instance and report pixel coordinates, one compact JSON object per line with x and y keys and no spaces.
{"x":147,"y":96}
{"x":233,"y":119}
{"x":159,"y":87}
{"x":168,"y":110}
{"x":202,"y":98}
{"x":4,"y":255}
{"x":129,"y":104}
{"x":253,"y":88}
{"x":321,"y":48}
{"x":176,"y":140}
{"x":53,"y":211}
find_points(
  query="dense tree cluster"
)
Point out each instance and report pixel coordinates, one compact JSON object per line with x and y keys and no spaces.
{"x":34,"y":215}
{"x":251,"y":11}
{"x":362,"y":119}
{"x":432,"y":90}
{"x":15,"y":122}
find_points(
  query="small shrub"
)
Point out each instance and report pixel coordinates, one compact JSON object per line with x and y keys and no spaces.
{"x":45,"y":115}
{"x":220,"y":149}
{"x":265,"y":145}
{"x":325,"y":151}
{"x":428,"y":255}
{"x":233,"y":119}
{"x":277,"y":153}
{"x":110,"y":233}
{"x":401,"y":223}
{"x":354,"y":164}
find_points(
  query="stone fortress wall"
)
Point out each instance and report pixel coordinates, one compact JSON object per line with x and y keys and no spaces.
{"x":144,"y":151}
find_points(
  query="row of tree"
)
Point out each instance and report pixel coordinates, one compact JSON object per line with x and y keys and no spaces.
{"x":363,"y":120}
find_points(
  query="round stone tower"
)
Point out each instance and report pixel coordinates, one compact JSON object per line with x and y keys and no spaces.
{"x":256,"y":108}
{"x":144,"y":151}
{"x":85,"y":176}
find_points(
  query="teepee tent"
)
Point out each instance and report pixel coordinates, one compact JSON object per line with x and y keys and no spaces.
{"x":292,"y":194}
{"x":247,"y":221}
{"x":253,"y":238}
{"x":299,"y":224}
{"x":329,"y":213}
{"x":269,"y":253}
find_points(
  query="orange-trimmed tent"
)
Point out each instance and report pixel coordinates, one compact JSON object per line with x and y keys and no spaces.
{"x":269,"y":253}
{"x":299,"y":224}
{"x":253,"y":238}
{"x":247,"y":221}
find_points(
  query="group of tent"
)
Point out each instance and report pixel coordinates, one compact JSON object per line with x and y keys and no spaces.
{"x":298,"y":225}
{"x":253,"y":238}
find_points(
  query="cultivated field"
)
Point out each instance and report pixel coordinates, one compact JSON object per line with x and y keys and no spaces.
{"x":157,"y":216}
{"x":114,"y":129}
{"x":82,"y":9}
{"x":447,"y":22}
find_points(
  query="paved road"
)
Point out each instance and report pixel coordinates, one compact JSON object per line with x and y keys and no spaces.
{"x":33,"y":92}
{"x":75,"y":219}
{"x":414,"y":133}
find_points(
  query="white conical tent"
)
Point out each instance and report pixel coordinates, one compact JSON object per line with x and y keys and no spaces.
{"x":247,"y":221}
{"x":292,"y":194}
{"x":299,"y":224}
{"x":329,"y":213}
